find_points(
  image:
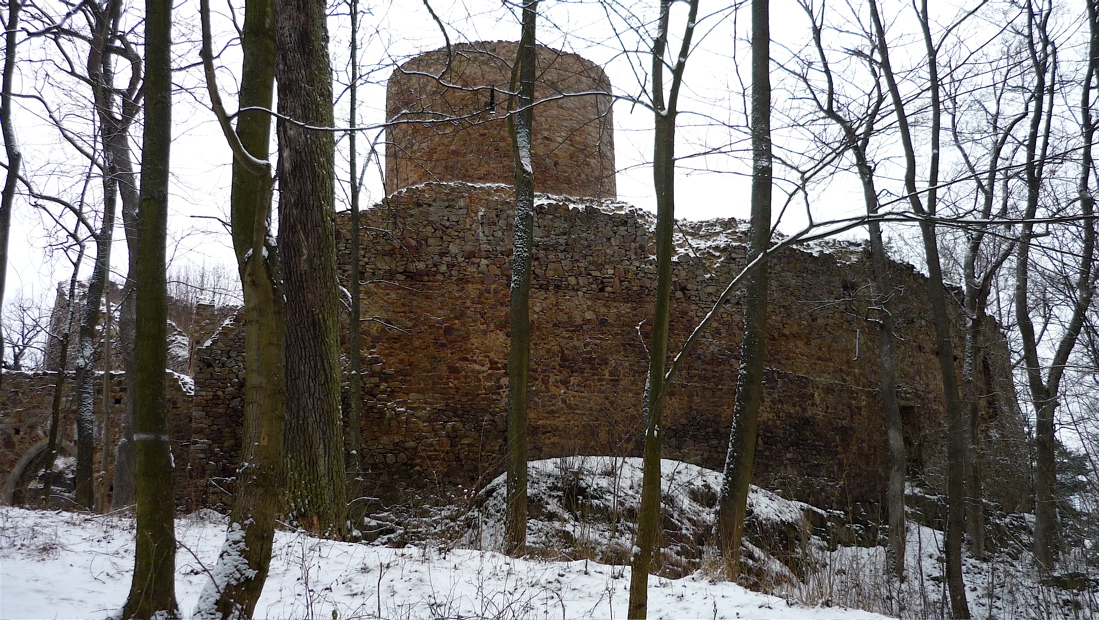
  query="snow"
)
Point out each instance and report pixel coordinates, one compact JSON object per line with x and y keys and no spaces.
{"x":55,"y":564}
{"x":186,"y":382}
{"x":523,"y":139}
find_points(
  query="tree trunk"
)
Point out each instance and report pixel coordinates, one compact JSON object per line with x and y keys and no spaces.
{"x":956,"y":427}
{"x":733,"y":500}
{"x":260,"y":480}
{"x":152,"y":592}
{"x":85,"y":356}
{"x":1045,"y":393}
{"x":664,"y":119}
{"x":522,"y":128}
{"x":306,"y":173}
{"x":858,"y":141}
{"x":101,"y":77}
{"x":354,"y":285}
{"x":53,"y":443}
{"x":11,"y":148}
{"x":122,"y":492}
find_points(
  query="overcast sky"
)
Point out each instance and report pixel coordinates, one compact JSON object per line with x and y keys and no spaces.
{"x":712,"y":115}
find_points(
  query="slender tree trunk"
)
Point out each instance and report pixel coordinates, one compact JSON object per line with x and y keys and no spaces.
{"x":101,"y":77}
{"x":257,"y":500}
{"x":956,"y":428}
{"x":152,"y":593}
{"x":11,"y":148}
{"x":122,"y":487}
{"x":522,"y":131}
{"x":53,"y":443}
{"x":107,"y":453}
{"x":1045,"y":393}
{"x":122,"y":169}
{"x":858,"y":141}
{"x":85,"y":357}
{"x":664,"y":119}
{"x":733,"y":499}
{"x":881,"y":288}
{"x":306,"y":172}
{"x":354,"y":345}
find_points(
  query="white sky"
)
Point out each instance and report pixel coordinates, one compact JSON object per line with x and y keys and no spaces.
{"x":712,"y":107}
{"x":390,"y":33}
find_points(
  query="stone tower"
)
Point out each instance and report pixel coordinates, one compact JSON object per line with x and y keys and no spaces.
{"x":449,"y":115}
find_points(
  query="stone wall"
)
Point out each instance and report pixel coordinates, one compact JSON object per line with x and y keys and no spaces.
{"x":26,"y":402}
{"x":436,"y":346}
{"x":448,"y":115}
{"x":217,"y":418}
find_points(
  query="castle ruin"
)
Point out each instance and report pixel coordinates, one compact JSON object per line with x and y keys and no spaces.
{"x":436,"y":266}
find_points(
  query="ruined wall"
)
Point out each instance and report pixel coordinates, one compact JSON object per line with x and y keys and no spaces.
{"x":449,"y":121}
{"x":217,"y":417}
{"x":436,"y":346}
{"x":26,"y":403}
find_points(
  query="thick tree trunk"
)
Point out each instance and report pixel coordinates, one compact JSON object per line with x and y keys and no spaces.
{"x":306,"y":173}
{"x":522,"y":130}
{"x":257,"y":501}
{"x":733,"y":500}
{"x":152,"y":592}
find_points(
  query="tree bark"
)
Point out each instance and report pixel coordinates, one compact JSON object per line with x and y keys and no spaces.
{"x":306,"y":173}
{"x":122,"y":492}
{"x":1045,"y":392}
{"x":260,"y":480}
{"x":956,"y":428}
{"x":733,"y":499}
{"x":11,"y":148}
{"x":152,"y":592}
{"x":522,"y":131}
{"x":664,"y":119}
{"x":354,"y":285}
{"x":53,"y":442}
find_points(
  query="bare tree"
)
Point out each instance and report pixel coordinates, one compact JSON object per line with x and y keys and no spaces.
{"x":152,"y":592}
{"x":924,"y":205}
{"x":521,"y":121}
{"x":25,"y":326}
{"x":985,"y":249}
{"x":664,"y":118}
{"x":733,"y":498}
{"x":859,"y":124}
{"x":1045,"y":391}
{"x":257,"y":501}
{"x":11,"y":146}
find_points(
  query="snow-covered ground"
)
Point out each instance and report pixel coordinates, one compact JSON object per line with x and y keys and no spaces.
{"x":71,"y":565}
{"x":66,"y":565}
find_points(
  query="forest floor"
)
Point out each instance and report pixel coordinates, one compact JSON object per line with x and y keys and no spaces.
{"x":56,"y":564}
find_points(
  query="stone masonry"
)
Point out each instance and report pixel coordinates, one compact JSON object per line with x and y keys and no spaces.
{"x":448,"y":115}
{"x":436,"y":266}
{"x":435,"y":263}
{"x":436,"y":342}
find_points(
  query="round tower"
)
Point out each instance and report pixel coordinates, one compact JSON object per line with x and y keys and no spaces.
{"x":449,"y":121}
